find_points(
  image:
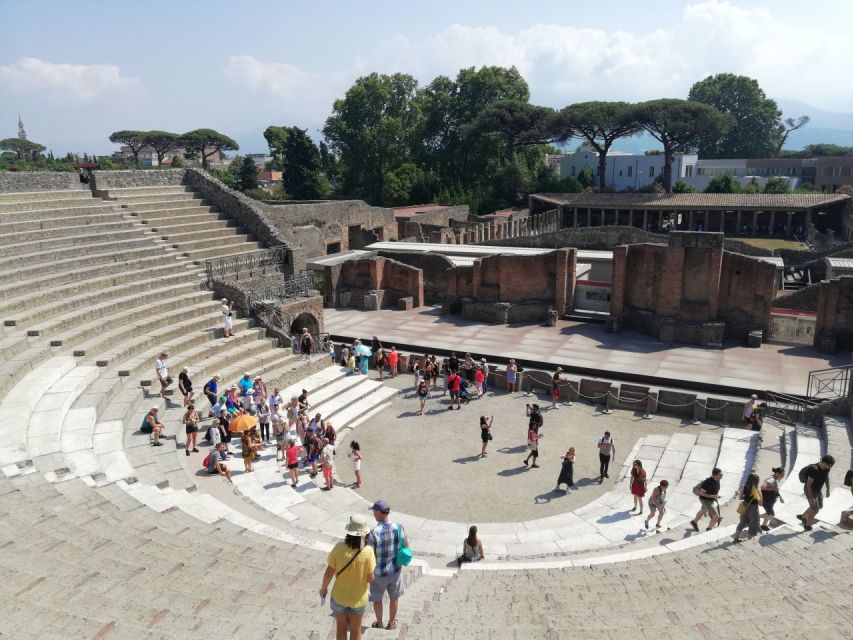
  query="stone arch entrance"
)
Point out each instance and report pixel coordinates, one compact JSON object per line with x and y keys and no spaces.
{"x":305,"y":320}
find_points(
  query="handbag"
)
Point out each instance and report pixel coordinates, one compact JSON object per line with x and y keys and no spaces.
{"x":404,"y":554}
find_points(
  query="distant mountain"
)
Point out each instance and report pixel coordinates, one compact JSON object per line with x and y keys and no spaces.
{"x":825,"y":126}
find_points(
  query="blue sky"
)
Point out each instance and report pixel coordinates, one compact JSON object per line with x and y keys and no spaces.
{"x":77,"y":71}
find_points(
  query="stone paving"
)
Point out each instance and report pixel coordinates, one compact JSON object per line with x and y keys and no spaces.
{"x":782,"y":368}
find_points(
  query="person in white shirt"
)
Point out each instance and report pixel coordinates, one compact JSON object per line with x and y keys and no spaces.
{"x":749,"y":411}
{"x":162,"y":372}
{"x":227,"y":310}
{"x":606,"y":450}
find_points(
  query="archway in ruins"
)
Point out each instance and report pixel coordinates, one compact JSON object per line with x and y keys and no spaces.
{"x":305,"y":321}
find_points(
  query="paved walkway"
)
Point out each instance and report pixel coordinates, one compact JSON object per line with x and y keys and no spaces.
{"x":775,"y":367}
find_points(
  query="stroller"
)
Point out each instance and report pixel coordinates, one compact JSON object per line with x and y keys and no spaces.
{"x":464,"y":393}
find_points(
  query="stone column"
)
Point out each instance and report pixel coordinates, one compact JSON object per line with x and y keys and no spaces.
{"x":738,"y":222}
{"x":660,"y":220}
{"x":488,"y":231}
{"x":630,"y":217}
{"x":723,"y":221}
{"x":754,"y":222}
{"x":645,"y":220}
{"x":788,"y":223}
{"x":588,"y":217}
{"x":772,"y":222}
{"x":603,"y":218}
{"x":690,"y":220}
{"x":705,"y":225}
{"x":575,"y":218}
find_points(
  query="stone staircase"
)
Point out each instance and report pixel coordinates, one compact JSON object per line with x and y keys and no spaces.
{"x":181,"y":219}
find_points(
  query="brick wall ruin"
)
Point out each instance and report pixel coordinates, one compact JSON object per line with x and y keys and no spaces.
{"x":834,"y":327}
{"x":373,"y":283}
{"x":690,"y":290}
{"x":513,"y":288}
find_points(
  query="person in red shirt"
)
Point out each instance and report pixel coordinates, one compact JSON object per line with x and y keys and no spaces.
{"x":392,"y":361}
{"x":479,"y":379}
{"x":453,"y":383}
{"x":291,"y":455}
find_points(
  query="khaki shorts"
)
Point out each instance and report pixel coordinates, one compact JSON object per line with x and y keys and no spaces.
{"x":710,"y":507}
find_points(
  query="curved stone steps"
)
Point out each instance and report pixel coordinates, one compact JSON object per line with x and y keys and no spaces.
{"x":82,"y":288}
{"x":74,"y":273}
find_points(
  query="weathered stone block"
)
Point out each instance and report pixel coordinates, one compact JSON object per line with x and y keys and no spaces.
{"x":754,"y":339}
{"x":712,"y":333}
{"x":612,"y":325}
{"x":406,"y":303}
{"x":551,"y":318}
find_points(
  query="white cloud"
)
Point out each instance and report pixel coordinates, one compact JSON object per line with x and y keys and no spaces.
{"x":564,"y":63}
{"x":76,"y":81}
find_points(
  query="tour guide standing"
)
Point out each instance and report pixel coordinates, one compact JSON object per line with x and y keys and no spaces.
{"x":386,"y":539}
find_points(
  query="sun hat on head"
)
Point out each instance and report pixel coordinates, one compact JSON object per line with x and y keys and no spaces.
{"x":224,"y":300}
{"x":381,"y":506}
{"x":217,"y":377}
{"x":754,"y":397}
{"x":155,"y":408}
{"x":246,"y":374}
{"x":357,"y":525}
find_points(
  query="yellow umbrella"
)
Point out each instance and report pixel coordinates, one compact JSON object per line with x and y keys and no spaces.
{"x":242,"y":423}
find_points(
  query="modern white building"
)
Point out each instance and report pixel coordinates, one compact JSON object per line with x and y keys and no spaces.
{"x":627,"y":170}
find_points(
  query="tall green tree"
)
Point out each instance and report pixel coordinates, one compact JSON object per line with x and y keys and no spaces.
{"x":328,"y":161}
{"x":247,"y":174}
{"x":756,"y":127}
{"x":162,"y":142}
{"x":600,"y":124}
{"x":206,"y":142}
{"x":133,"y":140}
{"x":371,"y":130}
{"x":23,"y":149}
{"x":789,"y":125}
{"x":302,"y":169}
{"x":518,"y":124}
{"x":276,"y":138}
{"x":680,"y":125}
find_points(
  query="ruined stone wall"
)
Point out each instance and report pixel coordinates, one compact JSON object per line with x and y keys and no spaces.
{"x":313,"y":226}
{"x":606,"y":238}
{"x":747,"y":287}
{"x":100,"y":180}
{"x":513,"y":288}
{"x":691,"y":290}
{"x":247,"y":212}
{"x":391,"y":279}
{"x":834,"y":326}
{"x":440,"y":283}
{"x":22,"y":181}
{"x":804,"y":299}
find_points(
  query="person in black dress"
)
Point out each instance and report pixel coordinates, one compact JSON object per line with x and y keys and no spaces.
{"x":567,"y":471}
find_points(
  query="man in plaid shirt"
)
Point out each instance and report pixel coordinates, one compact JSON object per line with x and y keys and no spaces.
{"x":386,"y":540}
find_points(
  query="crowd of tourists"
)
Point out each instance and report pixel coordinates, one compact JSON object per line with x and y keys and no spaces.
{"x":368,"y":563}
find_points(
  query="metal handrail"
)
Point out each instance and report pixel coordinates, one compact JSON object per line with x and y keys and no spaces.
{"x":830,"y":383}
{"x":271,"y":318}
{"x":247,"y":265}
{"x":299,"y":284}
{"x":787,"y":409}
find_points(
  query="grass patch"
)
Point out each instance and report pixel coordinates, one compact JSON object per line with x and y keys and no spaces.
{"x":771,"y":243}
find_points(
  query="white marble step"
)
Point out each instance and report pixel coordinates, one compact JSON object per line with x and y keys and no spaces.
{"x":358,"y":411}
{"x":737,"y":454}
{"x":18,"y":405}
{"x":322,"y":397}
{"x":335,"y":405}
{"x":313,"y":383}
{"x":44,"y":426}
